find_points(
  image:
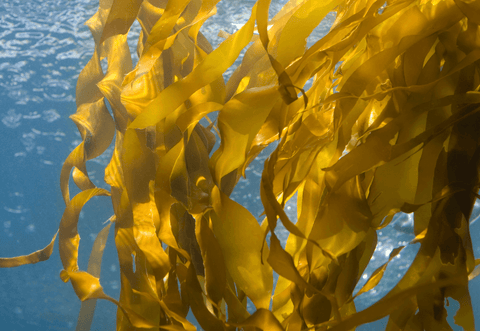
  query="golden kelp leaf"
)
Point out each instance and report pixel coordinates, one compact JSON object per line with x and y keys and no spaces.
{"x":215,"y":276}
{"x":138,"y":166}
{"x":206,"y":72}
{"x":35,"y":257}
{"x":114,"y":171}
{"x":309,"y":198}
{"x":339,"y":229}
{"x":185,"y":230}
{"x":112,"y":16}
{"x":85,"y":285}
{"x":283,"y":264}
{"x":87,"y":91}
{"x":146,"y":237}
{"x":68,"y":237}
{"x":236,"y":310}
{"x":239,"y":121}
{"x":194,"y":292}
{"x":87,"y":309}
{"x":185,"y":325}
{"x":76,"y":159}
{"x":200,"y":180}
{"x":305,"y":18}
{"x":88,"y":287}
{"x":163,"y":27}
{"x":118,"y":66}
{"x":300,"y":150}
{"x":94,"y":124}
{"x":262,"y":319}
{"x":141,"y":295}
{"x":465,"y":315}
{"x":241,"y":240}
{"x":476,"y":271}
{"x":388,"y":304}
{"x":470,"y":9}
{"x":377,"y":275}
{"x":121,"y":15}
{"x":294,"y":32}
{"x":163,"y":197}
{"x":316,"y":308}
{"x":189,"y":119}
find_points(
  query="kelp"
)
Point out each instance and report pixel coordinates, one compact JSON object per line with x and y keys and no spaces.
{"x":379,"y":116}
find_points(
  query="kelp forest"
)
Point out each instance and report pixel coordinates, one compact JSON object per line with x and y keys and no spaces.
{"x":378,"y":117}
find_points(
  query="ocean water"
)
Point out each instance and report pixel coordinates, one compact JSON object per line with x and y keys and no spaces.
{"x":43,"y":47}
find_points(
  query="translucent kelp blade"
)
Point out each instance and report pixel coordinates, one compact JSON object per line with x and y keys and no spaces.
{"x":215,"y":273}
{"x":385,"y":306}
{"x":476,"y":271}
{"x":241,"y":240}
{"x":121,"y":15}
{"x":163,"y":27}
{"x":206,"y":72}
{"x":118,"y":66}
{"x":35,"y":257}
{"x":93,"y":121}
{"x":88,"y":287}
{"x":262,"y":319}
{"x":377,"y":275}
{"x":193,"y":291}
{"x":283,"y":264}
{"x":239,"y":121}
{"x":87,"y":309}
{"x":68,"y":237}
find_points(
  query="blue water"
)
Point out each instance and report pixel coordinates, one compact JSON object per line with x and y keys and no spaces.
{"x":43,"y":47}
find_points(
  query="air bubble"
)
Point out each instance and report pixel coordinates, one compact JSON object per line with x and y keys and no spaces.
{"x":12,"y":119}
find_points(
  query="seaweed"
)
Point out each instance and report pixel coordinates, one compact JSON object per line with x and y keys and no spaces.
{"x":379,"y":116}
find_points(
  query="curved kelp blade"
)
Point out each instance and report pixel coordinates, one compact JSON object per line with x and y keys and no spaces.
{"x":35,"y":257}
{"x":241,"y":239}
{"x":87,"y":309}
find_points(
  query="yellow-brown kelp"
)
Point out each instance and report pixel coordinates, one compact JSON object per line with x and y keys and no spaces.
{"x":390,"y":123}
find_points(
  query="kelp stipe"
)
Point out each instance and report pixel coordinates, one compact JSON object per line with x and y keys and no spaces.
{"x":389,"y":124}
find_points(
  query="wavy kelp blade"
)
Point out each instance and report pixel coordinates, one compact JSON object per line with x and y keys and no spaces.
{"x":286,"y":89}
{"x":194,"y":292}
{"x":239,"y":121}
{"x":262,"y":319}
{"x":87,"y":309}
{"x":68,"y":237}
{"x":163,"y":27}
{"x":377,"y":275}
{"x":92,"y":118}
{"x":283,"y":263}
{"x":215,"y":274}
{"x":35,"y":257}
{"x":292,"y":40}
{"x":241,"y":239}
{"x":476,"y":271}
{"x":121,"y":15}
{"x":206,"y":72}
{"x":186,"y":325}
{"x":385,"y":306}
{"x":138,"y":176}
{"x":88,"y":287}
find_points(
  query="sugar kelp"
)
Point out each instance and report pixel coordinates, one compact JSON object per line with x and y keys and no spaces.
{"x":389,"y":123}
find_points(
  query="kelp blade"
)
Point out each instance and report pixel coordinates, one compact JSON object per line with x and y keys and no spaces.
{"x":387,"y":122}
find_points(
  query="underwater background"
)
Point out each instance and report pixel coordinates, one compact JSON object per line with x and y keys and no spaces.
{"x":43,"y":47}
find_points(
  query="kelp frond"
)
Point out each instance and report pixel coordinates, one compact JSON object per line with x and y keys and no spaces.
{"x":381,"y":115}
